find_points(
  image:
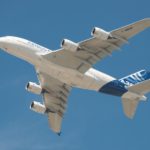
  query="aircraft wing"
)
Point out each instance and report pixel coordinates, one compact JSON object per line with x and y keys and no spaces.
{"x":94,"y":49}
{"x":55,"y":95}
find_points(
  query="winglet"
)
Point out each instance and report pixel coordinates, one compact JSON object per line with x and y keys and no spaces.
{"x":59,"y":133}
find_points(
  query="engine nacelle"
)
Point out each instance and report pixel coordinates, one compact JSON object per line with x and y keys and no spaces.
{"x":38,"y":107}
{"x":69,"y":45}
{"x":34,"y":88}
{"x":100,"y":33}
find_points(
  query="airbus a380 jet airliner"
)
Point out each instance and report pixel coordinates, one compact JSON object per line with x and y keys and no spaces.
{"x":71,"y":66}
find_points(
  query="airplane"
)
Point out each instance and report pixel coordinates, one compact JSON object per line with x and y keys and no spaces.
{"x":58,"y":71}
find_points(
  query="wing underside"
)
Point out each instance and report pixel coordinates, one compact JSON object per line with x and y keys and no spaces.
{"x":129,"y":106}
{"x":55,"y":95}
{"x":95,"y":49}
{"x":90,"y":51}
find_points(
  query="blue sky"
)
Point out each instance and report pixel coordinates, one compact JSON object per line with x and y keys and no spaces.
{"x":92,"y":120}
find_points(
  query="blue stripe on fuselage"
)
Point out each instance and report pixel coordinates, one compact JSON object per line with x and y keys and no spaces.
{"x":119,"y":87}
{"x":114,"y":87}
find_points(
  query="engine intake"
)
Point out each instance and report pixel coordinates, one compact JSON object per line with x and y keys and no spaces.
{"x":38,"y":107}
{"x":69,"y":45}
{"x":100,"y":33}
{"x":34,"y":88}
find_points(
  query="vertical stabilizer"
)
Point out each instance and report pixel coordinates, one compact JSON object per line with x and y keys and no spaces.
{"x":137,"y":84}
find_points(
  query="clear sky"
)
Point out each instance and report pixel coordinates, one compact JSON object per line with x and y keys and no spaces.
{"x":93,"y":120}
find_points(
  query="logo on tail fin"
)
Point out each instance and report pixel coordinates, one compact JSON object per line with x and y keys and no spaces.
{"x":135,"y":78}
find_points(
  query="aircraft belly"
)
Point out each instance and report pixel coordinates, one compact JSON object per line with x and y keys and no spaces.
{"x":89,"y":80}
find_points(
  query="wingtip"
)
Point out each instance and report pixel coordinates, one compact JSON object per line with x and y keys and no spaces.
{"x":147,"y":21}
{"x":130,"y":117}
{"x":144,"y":21}
{"x":59,"y":133}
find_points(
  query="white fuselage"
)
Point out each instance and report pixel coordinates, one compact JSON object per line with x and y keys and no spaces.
{"x":33,"y":53}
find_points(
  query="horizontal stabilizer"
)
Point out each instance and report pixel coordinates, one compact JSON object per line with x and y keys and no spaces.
{"x":129,"y":106}
{"x":141,"y":88}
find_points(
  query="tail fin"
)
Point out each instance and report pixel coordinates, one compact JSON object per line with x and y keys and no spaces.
{"x":135,"y":78}
{"x":137,"y":84}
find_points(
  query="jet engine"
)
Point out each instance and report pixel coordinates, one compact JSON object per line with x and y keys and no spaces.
{"x":100,"y":33}
{"x":34,"y":88}
{"x":69,"y":45}
{"x":38,"y":107}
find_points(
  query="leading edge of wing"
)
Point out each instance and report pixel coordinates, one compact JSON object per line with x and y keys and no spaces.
{"x":94,"y":49}
{"x":132,"y":29}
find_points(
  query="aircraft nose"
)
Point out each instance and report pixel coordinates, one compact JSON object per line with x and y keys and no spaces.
{"x":2,"y":38}
{"x":4,"y":41}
